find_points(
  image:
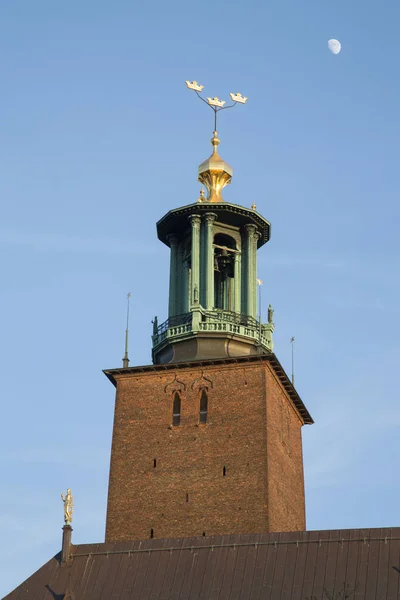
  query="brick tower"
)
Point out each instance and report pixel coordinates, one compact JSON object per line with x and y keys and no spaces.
{"x":207,"y":440}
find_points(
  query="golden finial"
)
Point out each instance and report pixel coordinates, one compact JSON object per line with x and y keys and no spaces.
{"x":253,"y":206}
{"x":215,"y":173}
{"x":202,"y":197}
{"x":68,"y":506}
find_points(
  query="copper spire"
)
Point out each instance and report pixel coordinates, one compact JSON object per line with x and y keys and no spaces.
{"x":215,"y":173}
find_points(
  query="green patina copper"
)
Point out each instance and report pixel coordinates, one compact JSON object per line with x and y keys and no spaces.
{"x":213,"y":276}
{"x":213,"y":280}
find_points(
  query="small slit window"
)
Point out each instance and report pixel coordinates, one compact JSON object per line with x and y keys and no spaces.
{"x":151,"y":533}
{"x":176,"y":411}
{"x":203,"y":407}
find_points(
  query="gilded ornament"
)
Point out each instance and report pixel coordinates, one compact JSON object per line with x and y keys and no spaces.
{"x":216,"y":101}
{"x":193,"y":85}
{"x":238,"y":98}
{"x":68,"y":506}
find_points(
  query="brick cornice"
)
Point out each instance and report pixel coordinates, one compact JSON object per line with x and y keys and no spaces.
{"x":114,"y":374}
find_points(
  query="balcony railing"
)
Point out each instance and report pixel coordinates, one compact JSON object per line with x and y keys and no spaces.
{"x":214,"y":321}
{"x":230,"y":317}
{"x":173,"y":327}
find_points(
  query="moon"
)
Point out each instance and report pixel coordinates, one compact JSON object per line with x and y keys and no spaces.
{"x":334,"y":46}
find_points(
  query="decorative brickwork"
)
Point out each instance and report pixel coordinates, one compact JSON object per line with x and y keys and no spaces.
{"x":240,"y":472}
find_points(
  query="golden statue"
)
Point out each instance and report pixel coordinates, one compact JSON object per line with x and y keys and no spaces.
{"x":68,"y":506}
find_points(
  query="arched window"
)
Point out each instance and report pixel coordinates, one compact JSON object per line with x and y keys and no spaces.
{"x":203,"y":407}
{"x":176,"y":411}
{"x":224,"y":272}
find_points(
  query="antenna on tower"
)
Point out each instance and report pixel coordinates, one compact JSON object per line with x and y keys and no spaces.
{"x":292,"y":342}
{"x":125,"y":360}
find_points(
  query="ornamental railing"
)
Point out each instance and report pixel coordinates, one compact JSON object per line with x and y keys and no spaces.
{"x":214,"y":321}
{"x":230,"y":317}
{"x":183,"y":319}
{"x":172,"y":327}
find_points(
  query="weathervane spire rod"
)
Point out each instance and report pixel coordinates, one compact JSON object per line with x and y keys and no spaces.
{"x":125,"y":360}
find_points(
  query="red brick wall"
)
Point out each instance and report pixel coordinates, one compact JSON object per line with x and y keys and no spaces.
{"x":190,"y":457}
{"x":285,"y":460}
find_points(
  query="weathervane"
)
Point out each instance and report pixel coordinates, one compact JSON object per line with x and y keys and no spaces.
{"x":214,"y":173}
{"x":215,"y":103}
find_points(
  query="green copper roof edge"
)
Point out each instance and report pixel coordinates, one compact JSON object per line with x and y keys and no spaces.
{"x":201,"y":207}
{"x":271,"y":358}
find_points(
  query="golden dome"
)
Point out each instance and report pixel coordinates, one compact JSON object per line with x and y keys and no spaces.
{"x":215,"y":173}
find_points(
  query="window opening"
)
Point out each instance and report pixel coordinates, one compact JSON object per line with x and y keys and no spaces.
{"x":203,"y":407}
{"x":224,"y":471}
{"x":176,"y":412}
{"x":204,"y":534}
{"x":154,"y":463}
{"x":187,"y":497}
{"x":151,"y":533}
{"x":224,"y":271}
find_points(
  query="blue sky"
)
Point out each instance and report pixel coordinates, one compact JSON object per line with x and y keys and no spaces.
{"x":100,"y":138}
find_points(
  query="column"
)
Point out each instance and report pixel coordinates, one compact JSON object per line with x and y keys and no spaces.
{"x":173,"y":280}
{"x":256,"y":295}
{"x":195,"y":283}
{"x":209,"y":219}
{"x":250,"y":272}
{"x":237,"y":283}
{"x":66,"y":544}
{"x":179,"y":297}
{"x":185,"y":285}
{"x":202,"y":295}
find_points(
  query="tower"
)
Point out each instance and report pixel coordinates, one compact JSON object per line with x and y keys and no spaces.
{"x":213,"y":275}
{"x":207,"y":439}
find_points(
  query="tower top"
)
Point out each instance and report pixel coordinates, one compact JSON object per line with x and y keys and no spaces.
{"x":214,"y":172}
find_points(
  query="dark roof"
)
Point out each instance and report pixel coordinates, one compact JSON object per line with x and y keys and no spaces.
{"x":310,"y":565}
{"x":271,"y":358}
